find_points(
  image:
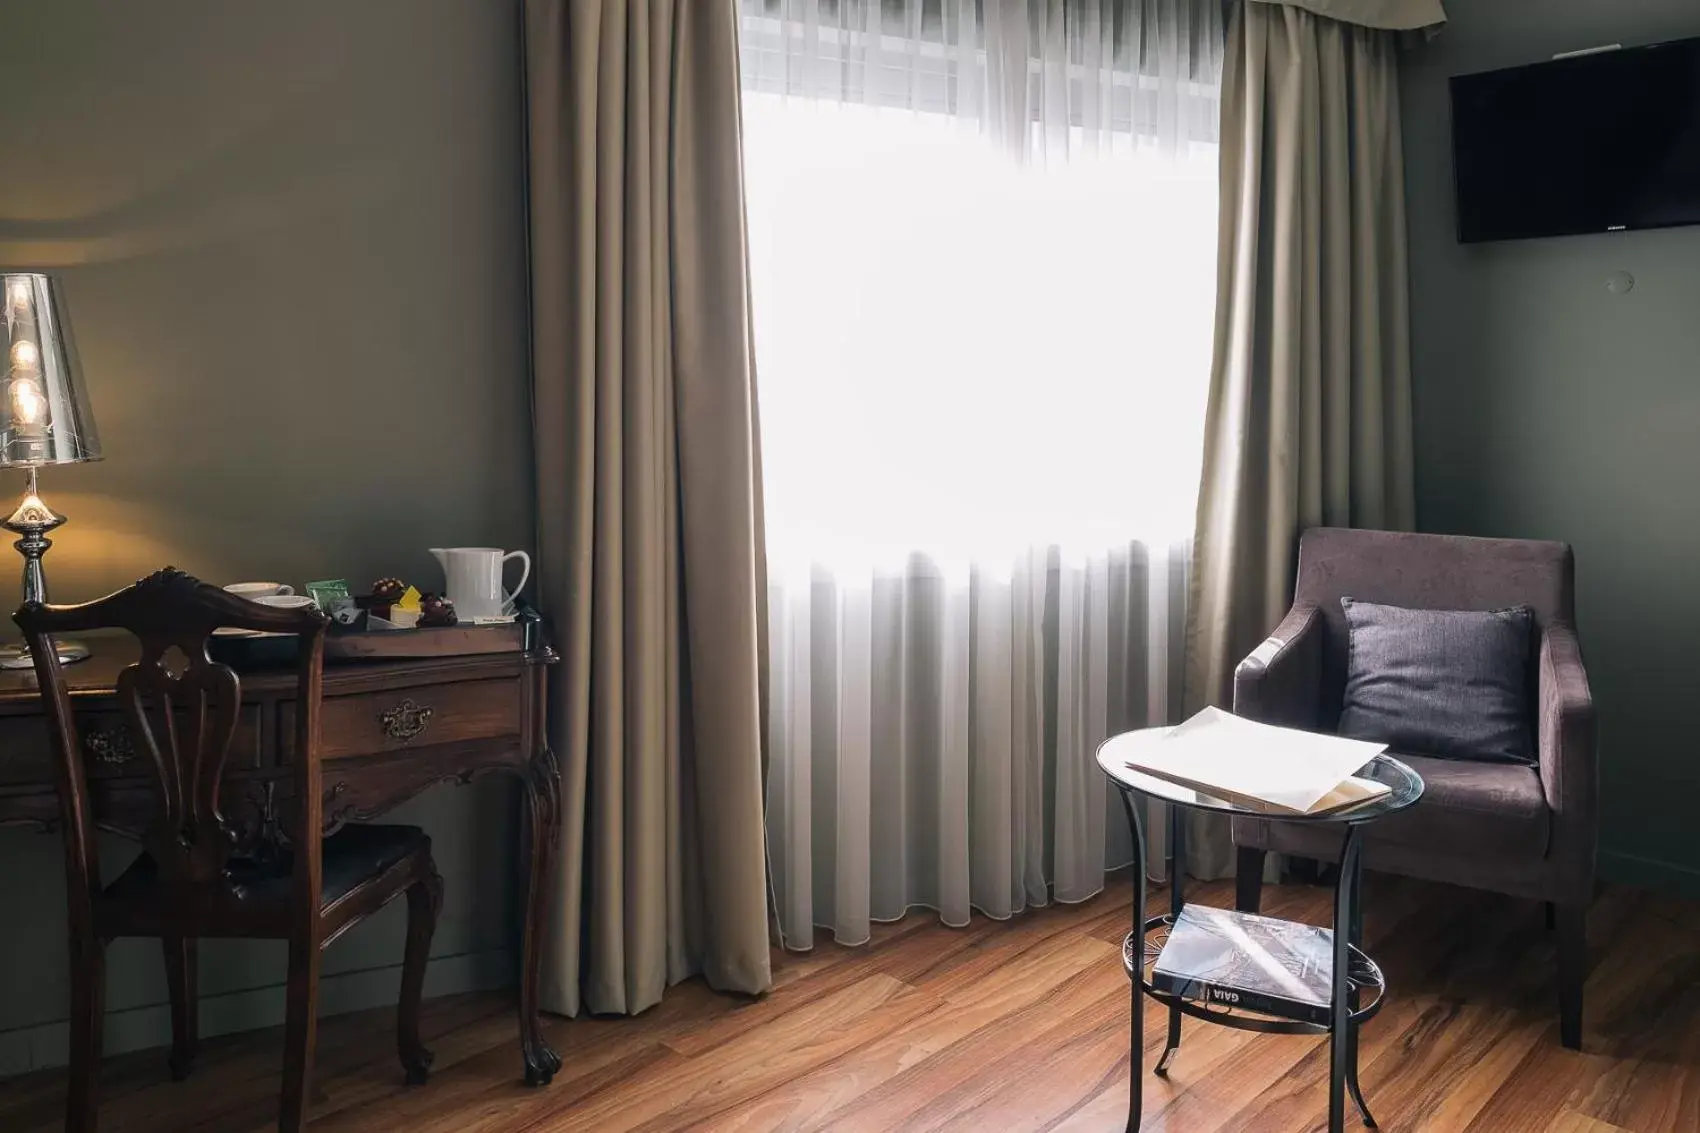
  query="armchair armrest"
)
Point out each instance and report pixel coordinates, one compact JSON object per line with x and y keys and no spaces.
{"x":1569,"y":762}
{"x":1281,"y":681}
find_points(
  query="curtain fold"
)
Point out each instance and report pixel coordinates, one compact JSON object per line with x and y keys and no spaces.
{"x":1041,"y":79}
{"x":982,"y":251}
{"x":934,"y":735}
{"x":1309,"y":420}
{"x":648,"y":495}
{"x":1389,"y":15}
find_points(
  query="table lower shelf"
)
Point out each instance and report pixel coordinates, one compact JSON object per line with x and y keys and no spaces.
{"x":1363,"y":977}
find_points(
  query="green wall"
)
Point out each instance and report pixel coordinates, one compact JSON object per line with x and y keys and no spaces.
{"x":293,"y":243}
{"x":1548,"y":408}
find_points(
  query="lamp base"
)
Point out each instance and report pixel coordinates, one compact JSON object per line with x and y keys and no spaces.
{"x":32,"y":521}
{"x":16,"y":655}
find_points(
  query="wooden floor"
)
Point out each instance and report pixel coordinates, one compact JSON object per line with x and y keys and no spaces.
{"x":1015,"y":1026}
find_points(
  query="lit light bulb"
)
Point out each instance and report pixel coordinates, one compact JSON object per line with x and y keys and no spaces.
{"x":28,"y":406}
{"x":18,"y":293}
{"x":25,"y":355}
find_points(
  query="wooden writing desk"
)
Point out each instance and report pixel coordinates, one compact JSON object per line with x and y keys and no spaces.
{"x":390,"y":729}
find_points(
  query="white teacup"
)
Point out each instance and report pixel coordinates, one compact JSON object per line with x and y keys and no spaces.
{"x":254,"y":591}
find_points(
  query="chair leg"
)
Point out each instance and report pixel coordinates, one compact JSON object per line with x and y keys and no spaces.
{"x":424,"y":902}
{"x":1572,"y":971}
{"x":88,"y":1019}
{"x":300,"y":1034}
{"x":180,"y":965}
{"x":1248,"y":879}
{"x":1551,"y":914}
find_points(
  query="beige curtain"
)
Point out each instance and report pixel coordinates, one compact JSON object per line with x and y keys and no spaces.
{"x":1309,"y":419}
{"x":648,"y":497}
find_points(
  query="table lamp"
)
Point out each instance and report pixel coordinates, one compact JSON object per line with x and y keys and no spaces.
{"x":44,"y":419}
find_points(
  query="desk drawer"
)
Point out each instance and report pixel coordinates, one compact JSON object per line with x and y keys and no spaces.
{"x":109,"y":751}
{"x":380,"y":722}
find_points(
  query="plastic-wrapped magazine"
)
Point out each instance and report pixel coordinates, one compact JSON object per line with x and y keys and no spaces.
{"x":1252,"y":963}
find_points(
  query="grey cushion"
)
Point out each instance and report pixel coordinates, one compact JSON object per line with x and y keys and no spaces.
{"x":1476,"y":822}
{"x":1454,"y":683}
{"x":1496,"y":809}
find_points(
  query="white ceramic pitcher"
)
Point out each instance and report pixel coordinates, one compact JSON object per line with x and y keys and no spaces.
{"x":473,"y":579}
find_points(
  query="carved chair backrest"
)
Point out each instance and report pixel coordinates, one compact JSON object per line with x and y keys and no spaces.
{"x":181,"y":710}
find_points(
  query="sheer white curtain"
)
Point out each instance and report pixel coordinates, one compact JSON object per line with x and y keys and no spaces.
{"x":983,"y":264}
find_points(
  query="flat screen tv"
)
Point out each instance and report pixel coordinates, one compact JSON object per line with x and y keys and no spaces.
{"x":1592,"y":143}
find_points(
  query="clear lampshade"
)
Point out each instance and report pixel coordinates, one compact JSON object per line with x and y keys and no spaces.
{"x":44,"y":410}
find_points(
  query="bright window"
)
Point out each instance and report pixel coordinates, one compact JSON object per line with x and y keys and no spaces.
{"x":964,"y":357}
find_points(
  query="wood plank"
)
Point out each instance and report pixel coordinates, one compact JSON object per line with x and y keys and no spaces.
{"x":751,"y":1061}
{"x":1018,"y":1025}
{"x":485,"y":1091}
{"x":827,"y":1096}
{"x":1572,"y":1122}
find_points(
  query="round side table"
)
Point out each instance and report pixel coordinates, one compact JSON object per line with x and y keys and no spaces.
{"x":1354,"y":975}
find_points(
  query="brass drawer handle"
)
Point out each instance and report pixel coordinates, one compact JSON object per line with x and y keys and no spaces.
{"x":406,"y":721}
{"x":110,"y":746}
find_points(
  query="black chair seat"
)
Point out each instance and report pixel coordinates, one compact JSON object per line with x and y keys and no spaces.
{"x":352,"y":856}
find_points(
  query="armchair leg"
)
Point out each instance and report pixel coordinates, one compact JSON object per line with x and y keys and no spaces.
{"x":1572,"y":971}
{"x":1248,"y":879}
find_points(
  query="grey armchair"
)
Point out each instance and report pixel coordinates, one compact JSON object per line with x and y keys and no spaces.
{"x":1523,"y":831}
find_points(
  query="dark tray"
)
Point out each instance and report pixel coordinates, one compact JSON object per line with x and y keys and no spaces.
{"x":270,"y":651}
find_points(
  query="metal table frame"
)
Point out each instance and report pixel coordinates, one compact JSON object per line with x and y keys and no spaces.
{"x":1348,"y":941}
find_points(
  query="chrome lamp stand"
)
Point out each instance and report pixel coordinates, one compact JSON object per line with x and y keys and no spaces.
{"x":31,"y":522}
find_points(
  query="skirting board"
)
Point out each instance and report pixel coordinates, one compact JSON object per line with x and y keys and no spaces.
{"x":36,"y":1047}
{"x":1650,"y":873}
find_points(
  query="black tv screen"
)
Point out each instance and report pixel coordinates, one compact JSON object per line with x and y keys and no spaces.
{"x":1593,"y":143}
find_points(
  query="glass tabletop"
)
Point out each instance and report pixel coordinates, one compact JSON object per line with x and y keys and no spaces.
{"x":1406,"y":784}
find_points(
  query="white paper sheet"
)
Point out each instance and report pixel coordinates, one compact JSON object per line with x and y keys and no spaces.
{"x":1283,"y":766}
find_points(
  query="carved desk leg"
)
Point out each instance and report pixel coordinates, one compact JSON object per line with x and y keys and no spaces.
{"x":543,"y":796}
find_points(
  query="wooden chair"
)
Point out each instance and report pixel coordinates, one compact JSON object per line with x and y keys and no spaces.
{"x":198,"y":876}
